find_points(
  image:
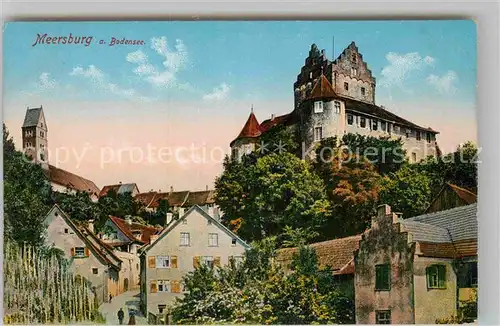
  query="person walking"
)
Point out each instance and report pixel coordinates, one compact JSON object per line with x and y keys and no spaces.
{"x":121,"y":314}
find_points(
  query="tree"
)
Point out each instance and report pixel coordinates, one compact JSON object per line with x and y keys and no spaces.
{"x":279,"y":139}
{"x":236,"y":294}
{"x":406,"y":191}
{"x":275,"y":191}
{"x":386,"y":154}
{"x":27,"y":196}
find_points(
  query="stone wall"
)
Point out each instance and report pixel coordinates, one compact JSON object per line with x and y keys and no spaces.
{"x":384,"y":244}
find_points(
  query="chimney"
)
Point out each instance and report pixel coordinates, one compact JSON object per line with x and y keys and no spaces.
{"x":128,"y":219}
{"x":90,"y":225}
{"x":397,"y":216}
{"x":206,"y":187}
{"x":272,"y":117}
{"x":171,"y":189}
{"x":181,"y":212}
{"x":169,"y":218}
{"x":382,"y":211}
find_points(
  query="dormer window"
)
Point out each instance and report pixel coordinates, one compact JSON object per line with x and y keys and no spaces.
{"x":318,"y":107}
{"x":337,"y":107}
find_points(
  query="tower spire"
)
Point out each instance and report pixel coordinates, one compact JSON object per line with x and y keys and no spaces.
{"x":251,"y":109}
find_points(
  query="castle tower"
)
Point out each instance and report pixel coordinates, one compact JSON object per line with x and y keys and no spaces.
{"x":351,"y":77}
{"x":34,"y":135}
{"x":321,"y":115}
{"x":246,"y":141}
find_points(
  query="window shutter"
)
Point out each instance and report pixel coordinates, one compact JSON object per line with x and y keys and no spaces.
{"x":428,"y":275}
{"x":175,"y":287}
{"x":87,"y":252}
{"x":217,"y":261}
{"x":153,"y":287}
{"x":72,"y":252}
{"x":151,"y":262}
{"x":442,"y":275}
{"x":173,"y":261}
{"x":196,"y":261}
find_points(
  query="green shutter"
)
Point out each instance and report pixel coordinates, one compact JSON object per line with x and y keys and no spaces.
{"x":382,"y":277}
{"x":442,"y":276}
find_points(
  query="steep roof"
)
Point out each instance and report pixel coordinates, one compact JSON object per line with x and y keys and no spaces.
{"x":461,"y":222}
{"x":129,"y":229}
{"x":32,"y":117}
{"x":251,"y":128}
{"x":197,"y":208}
{"x":201,"y":197}
{"x":377,"y":111}
{"x":71,"y":180}
{"x":95,"y":245}
{"x":119,"y":188}
{"x":322,"y":89}
{"x":336,"y":253}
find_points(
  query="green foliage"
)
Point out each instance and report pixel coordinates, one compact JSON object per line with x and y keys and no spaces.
{"x":406,"y":191}
{"x":263,"y":294}
{"x":27,"y":196}
{"x":269,"y":193}
{"x":386,"y":154}
{"x":279,"y":139}
{"x":297,"y":237}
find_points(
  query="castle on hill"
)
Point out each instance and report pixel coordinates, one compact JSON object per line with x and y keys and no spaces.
{"x":334,"y":98}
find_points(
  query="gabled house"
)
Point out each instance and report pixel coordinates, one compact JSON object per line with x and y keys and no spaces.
{"x":451,"y":196}
{"x":195,"y":238}
{"x":120,"y":188}
{"x":125,"y":238}
{"x":418,"y":270}
{"x":89,"y":257}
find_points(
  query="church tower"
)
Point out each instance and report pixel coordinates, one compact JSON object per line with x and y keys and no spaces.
{"x":34,"y":134}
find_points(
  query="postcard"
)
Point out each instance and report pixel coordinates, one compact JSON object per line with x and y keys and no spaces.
{"x":240,"y":172}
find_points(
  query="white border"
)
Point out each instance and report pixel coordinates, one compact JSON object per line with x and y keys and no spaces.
{"x":485,"y":14}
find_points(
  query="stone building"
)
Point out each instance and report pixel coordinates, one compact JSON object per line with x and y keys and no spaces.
{"x":35,"y":145}
{"x":333,"y":98}
{"x":89,"y":256}
{"x":418,"y":270}
{"x":186,"y":243}
{"x":125,"y":237}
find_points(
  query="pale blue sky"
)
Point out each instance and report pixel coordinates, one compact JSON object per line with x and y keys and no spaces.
{"x":206,"y":71}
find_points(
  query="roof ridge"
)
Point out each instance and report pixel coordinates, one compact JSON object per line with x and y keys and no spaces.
{"x":441,"y":212}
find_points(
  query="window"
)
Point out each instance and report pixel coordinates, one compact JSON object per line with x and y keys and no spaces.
{"x":362,"y":122}
{"x":28,"y":133}
{"x":310,"y":75}
{"x":95,"y":271}
{"x":41,"y":134}
{"x":161,"y":308}
{"x":28,"y":144}
{"x":436,"y":277}
{"x":350,"y":119}
{"x":208,"y":261}
{"x":469,"y":272}
{"x":318,"y":133}
{"x":382,"y":277}
{"x":363,"y":91}
{"x":41,"y":124}
{"x":383,"y":125}
{"x":383,"y":317}
{"x":396,"y":128}
{"x":185,"y":221}
{"x":79,"y":252}
{"x":418,"y":135}
{"x":318,"y":107}
{"x":163,"y":261}
{"x":414,"y":157}
{"x":213,"y":240}
{"x":374,"y":124}
{"x":209,"y":222}
{"x":163,"y":286}
{"x":408,"y":133}
{"x":353,"y":57}
{"x":354,"y":72}
{"x":66,"y":231}
{"x":428,"y":137}
{"x":346,"y":86}
{"x":233,"y":242}
{"x":337,"y":107}
{"x":184,"y":239}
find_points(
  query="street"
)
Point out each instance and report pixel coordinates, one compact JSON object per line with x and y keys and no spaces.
{"x":128,"y":301}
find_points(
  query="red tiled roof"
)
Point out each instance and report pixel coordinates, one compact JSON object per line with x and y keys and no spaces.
{"x":128,"y":229}
{"x":459,"y":249}
{"x":70,"y":180}
{"x":146,"y":198}
{"x":335,"y":253}
{"x":251,"y":129}
{"x":106,"y":189}
{"x":201,"y":198}
{"x":269,"y":123}
{"x":467,"y":196}
{"x":322,"y":89}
